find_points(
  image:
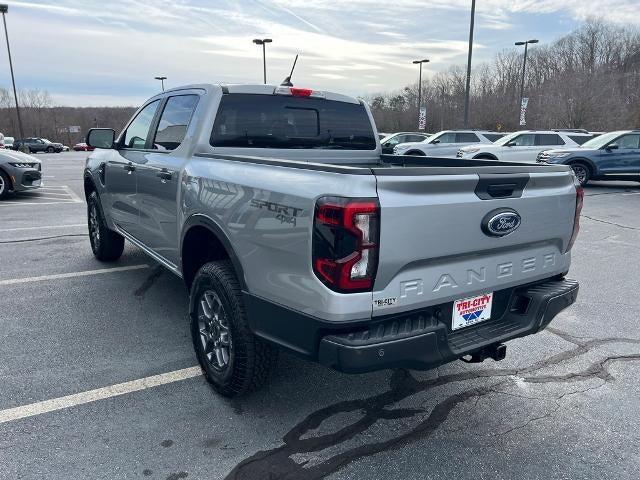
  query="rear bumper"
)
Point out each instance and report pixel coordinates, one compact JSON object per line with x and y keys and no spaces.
{"x":420,"y":339}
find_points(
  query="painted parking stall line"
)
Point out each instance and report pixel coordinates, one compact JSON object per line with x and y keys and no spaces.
{"x":42,"y":278}
{"x":54,"y":404}
{"x":44,"y":196}
{"x":43,"y":227}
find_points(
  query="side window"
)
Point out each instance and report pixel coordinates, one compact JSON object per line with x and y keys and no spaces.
{"x":414,"y":138}
{"x":580,"y":139}
{"x":466,"y":137}
{"x":138,"y":131}
{"x":492,"y":137}
{"x":449,"y":137}
{"x":628,"y":141}
{"x":524,"y":140}
{"x":174,"y":122}
{"x":549,"y":139}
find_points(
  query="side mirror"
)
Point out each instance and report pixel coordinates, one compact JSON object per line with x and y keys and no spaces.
{"x":613,"y":146}
{"x":435,"y":141}
{"x":101,"y":137}
{"x":511,"y":144}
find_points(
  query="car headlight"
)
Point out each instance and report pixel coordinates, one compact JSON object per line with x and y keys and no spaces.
{"x":22,"y":165}
{"x":399,"y":149}
{"x":470,"y":150}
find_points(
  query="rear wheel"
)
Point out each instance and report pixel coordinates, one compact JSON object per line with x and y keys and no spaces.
{"x":5,"y":185}
{"x":582,"y":171}
{"x":233,"y":359}
{"x":107,"y":245}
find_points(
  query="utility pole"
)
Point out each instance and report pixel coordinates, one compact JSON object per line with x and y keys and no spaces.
{"x":5,"y":9}
{"x":468,"y":87}
{"x":263,"y":42}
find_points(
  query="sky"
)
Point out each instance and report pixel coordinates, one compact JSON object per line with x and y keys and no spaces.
{"x":107,"y":53}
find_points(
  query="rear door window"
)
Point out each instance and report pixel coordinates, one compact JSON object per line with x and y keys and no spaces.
{"x":279,"y":121}
{"x":466,"y":137}
{"x":580,"y":139}
{"x":549,"y":139}
{"x":492,"y":137}
{"x":174,"y":121}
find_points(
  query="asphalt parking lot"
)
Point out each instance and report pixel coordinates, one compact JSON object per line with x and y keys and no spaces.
{"x":114,"y":337}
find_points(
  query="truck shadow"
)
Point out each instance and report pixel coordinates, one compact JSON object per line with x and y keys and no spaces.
{"x":310,"y":451}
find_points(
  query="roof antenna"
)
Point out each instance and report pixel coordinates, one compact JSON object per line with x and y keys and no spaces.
{"x":287,"y":81}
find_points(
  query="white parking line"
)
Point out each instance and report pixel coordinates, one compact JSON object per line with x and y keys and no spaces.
{"x":44,"y":227}
{"x":89,"y":396}
{"x":14,"y":281}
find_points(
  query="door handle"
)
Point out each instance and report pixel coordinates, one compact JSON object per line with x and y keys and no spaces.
{"x":129,"y":168}
{"x":164,"y":175}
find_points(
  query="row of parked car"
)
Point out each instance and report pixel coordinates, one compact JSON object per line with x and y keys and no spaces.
{"x":38,"y":144}
{"x":592,"y":156}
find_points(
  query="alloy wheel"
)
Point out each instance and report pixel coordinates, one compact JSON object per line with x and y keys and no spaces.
{"x":215,"y":335}
{"x":581,"y":173}
{"x":2,"y":185}
{"x":94,"y":226}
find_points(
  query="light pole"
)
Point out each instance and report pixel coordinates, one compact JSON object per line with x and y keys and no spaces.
{"x":524,"y":64}
{"x":4,"y":9}
{"x":162,"y":79}
{"x":468,"y":86}
{"x":420,"y":62}
{"x":263,"y":42}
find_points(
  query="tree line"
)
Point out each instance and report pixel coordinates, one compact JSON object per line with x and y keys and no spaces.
{"x":589,"y":78}
{"x":40,"y":118}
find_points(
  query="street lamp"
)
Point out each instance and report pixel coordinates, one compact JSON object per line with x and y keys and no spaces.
{"x":162,"y":79}
{"x":263,"y":42}
{"x":5,"y":9}
{"x":524,"y":64}
{"x":468,"y":86}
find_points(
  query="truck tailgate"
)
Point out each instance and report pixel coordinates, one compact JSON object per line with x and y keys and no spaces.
{"x":433,"y":245}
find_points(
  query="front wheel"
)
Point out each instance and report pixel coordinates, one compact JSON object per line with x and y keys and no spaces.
{"x":50,"y":149}
{"x":416,"y":152}
{"x":107,"y":245}
{"x":582,"y":173}
{"x":5,"y":186}
{"x":233,"y":359}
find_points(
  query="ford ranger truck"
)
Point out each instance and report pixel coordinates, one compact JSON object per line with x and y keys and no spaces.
{"x":291,"y":231}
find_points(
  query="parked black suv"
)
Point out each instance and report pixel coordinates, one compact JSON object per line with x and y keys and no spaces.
{"x":35,"y":145}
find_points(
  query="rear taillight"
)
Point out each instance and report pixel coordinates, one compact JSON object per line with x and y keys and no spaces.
{"x":346,"y":234}
{"x":576,"y":218}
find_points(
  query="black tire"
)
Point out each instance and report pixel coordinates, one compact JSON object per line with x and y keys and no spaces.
{"x":5,"y":185}
{"x":249,"y":360}
{"x":484,"y":157}
{"x":50,"y":150}
{"x":416,"y":152}
{"x":582,"y":171}
{"x":107,"y":245}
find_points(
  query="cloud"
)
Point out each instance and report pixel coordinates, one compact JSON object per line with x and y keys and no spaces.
{"x":105,"y":51}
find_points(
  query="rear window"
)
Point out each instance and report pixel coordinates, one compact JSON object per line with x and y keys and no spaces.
{"x":580,"y":139}
{"x":278,"y":121}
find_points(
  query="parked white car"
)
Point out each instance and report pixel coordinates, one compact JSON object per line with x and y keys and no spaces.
{"x":447,"y":143}
{"x":523,"y":146}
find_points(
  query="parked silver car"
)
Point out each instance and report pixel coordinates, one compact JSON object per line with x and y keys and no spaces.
{"x":18,"y":172}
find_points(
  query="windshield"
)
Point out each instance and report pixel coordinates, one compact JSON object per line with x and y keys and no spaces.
{"x":46,"y":141}
{"x":277,"y":121}
{"x":601,"y":141}
{"x":507,"y":138}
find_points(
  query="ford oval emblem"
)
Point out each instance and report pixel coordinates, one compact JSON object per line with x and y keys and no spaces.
{"x":501,"y":222}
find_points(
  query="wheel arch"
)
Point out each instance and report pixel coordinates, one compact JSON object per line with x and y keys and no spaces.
{"x":593,"y":170}
{"x":416,"y":152}
{"x":199,"y":230}
{"x":485,"y":155}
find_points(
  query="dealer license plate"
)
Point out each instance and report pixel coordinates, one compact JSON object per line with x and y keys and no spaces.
{"x":472,"y":310}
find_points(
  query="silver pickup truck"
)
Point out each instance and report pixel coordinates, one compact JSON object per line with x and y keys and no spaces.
{"x":292,"y":231}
